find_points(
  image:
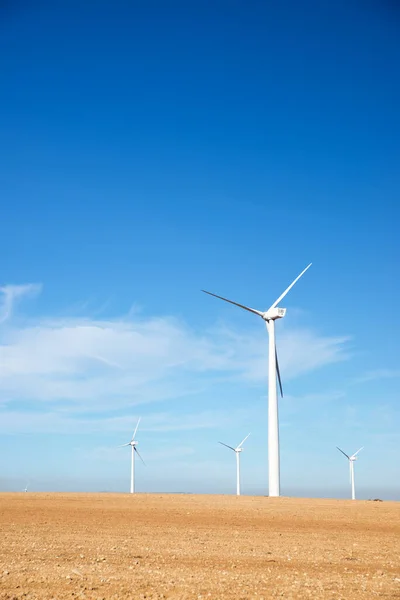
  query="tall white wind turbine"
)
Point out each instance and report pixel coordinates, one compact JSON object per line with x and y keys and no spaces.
{"x":351,"y":460}
{"x":270,"y":316}
{"x":237,"y":451}
{"x":133,"y":443}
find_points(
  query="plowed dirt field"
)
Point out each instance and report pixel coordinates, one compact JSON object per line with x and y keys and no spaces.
{"x":176,"y":546}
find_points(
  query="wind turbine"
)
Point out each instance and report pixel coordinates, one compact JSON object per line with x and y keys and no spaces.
{"x":237,"y":451}
{"x":270,"y":316}
{"x":351,"y":460}
{"x":133,"y":445}
{"x":26,"y":487}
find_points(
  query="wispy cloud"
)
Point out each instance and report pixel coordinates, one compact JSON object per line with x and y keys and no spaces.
{"x":93,"y":365}
{"x":300,"y":351}
{"x":157,"y":422}
{"x":9,"y":294}
{"x":316,"y":398}
{"x":111,"y":455}
{"x":377,"y":374}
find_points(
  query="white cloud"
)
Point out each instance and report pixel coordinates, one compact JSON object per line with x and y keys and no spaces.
{"x":10,"y":293}
{"x":93,"y":365}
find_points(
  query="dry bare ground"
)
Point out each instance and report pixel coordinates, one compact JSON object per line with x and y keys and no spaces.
{"x":176,"y":546}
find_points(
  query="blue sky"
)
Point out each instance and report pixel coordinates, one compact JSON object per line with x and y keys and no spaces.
{"x":151,"y":151}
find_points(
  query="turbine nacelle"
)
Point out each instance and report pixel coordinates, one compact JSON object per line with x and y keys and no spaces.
{"x":274,"y":313}
{"x":238,"y":448}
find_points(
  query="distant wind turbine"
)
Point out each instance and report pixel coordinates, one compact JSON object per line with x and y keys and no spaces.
{"x":351,"y":460}
{"x":26,"y":487}
{"x":237,"y":451}
{"x":133,"y":445}
{"x":270,"y":317}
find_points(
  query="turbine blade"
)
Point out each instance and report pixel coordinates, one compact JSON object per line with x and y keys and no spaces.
{"x":123,"y":445}
{"x":227,"y":446}
{"x":346,"y":455}
{"x":242,"y":442}
{"x":289,"y":288}
{"x":252,"y":310}
{"x":137,"y":452}
{"x":355,"y":453}
{"x":137,"y":425}
{"x":278,"y":372}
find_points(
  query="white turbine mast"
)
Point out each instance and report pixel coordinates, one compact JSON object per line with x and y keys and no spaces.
{"x":270,"y":316}
{"x":133,"y":443}
{"x":237,"y":451}
{"x":351,"y":460}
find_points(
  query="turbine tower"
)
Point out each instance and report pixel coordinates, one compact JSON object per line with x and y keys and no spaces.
{"x":134,"y":449}
{"x":351,"y":460}
{"x":270,"y":316}
{"x":237,"y":451}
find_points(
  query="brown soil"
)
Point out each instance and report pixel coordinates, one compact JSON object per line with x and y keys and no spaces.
{"x":204,"y":547}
